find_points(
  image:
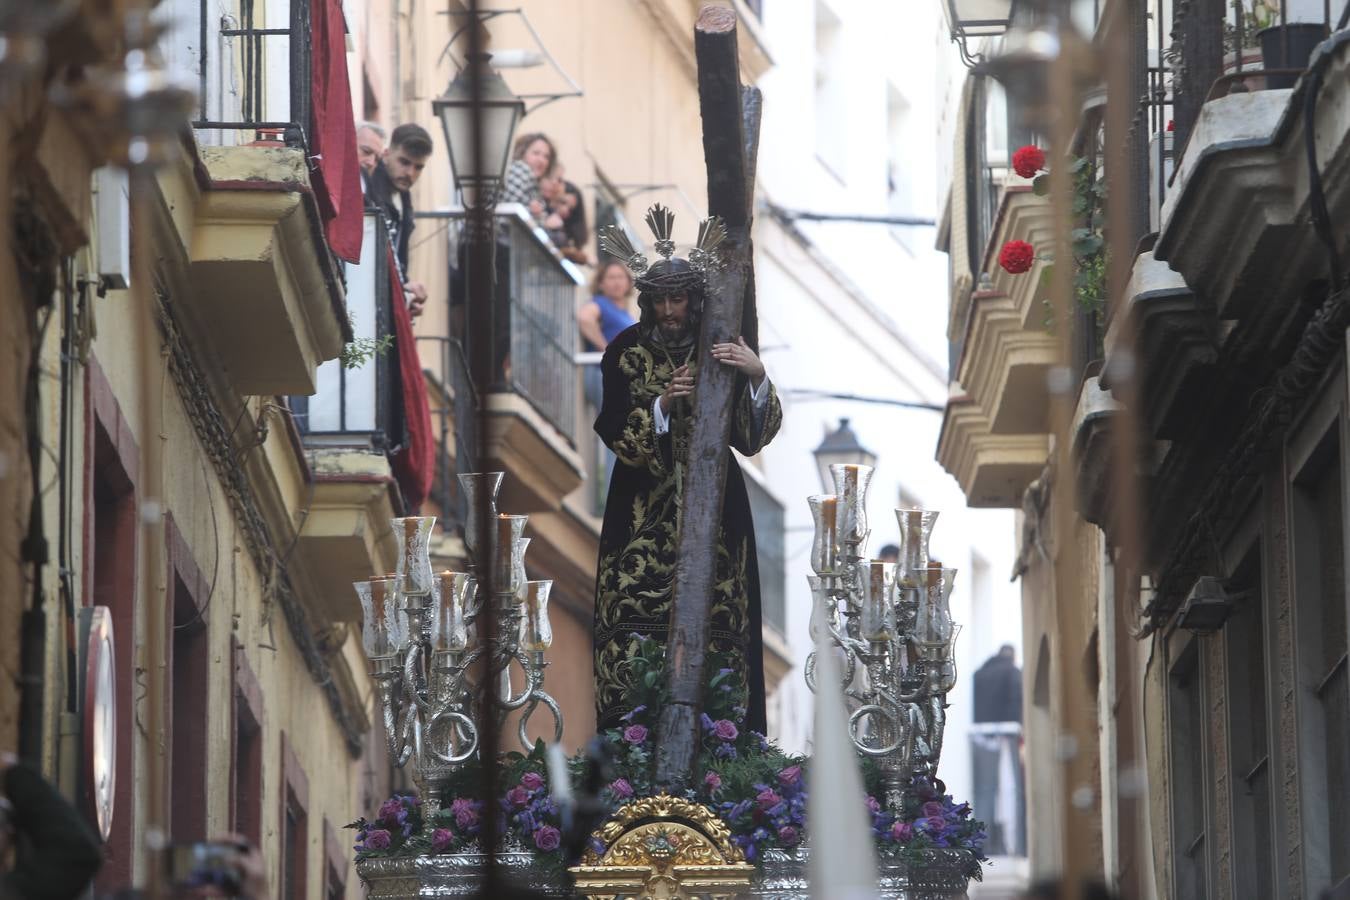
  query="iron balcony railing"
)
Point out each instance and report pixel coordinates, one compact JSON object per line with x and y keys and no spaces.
{"x":254,"y":69}
{"x":360,"y":405}
{"x":534,"y":317}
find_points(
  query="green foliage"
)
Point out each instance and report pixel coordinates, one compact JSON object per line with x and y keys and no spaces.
{"x":361,"y":350}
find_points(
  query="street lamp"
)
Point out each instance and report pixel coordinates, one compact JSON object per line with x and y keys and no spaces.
{"x":840,"y":447}
{"x":476,"y":175}
{"x":1028,"y":53}
{"x":976,"y":19}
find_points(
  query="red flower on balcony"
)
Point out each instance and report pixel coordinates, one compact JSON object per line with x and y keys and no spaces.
{"x":1016,"y":256}
{"x":1028,"y":160}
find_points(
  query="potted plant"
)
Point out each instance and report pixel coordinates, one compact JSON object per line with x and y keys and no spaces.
{"x":1252,"y":16}
{"x":1290,"y":44}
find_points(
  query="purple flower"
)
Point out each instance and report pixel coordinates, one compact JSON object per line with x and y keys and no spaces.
{"x":377,"y":840}
{"x":932,"y":824}
{"x":531,"y":781}
{"x":597,"y":846}
{"x":713,"y":782}
{"x":628,"y":716}
{"x":791,"y":775}
{"x":547,"y":838}
{"x":873,"y":805}
{"x":768,"y":798}
{"x":902,"y":832}
{"x":788,"y":836}
{"x":705,"y":721}
{"x":465,"y":812}
{"x":725,"y":751}
{"x":441,"y":839}
{"x":518,"y":797}
{"x":391,"y":808}
{"x":635,"y":734}
{"x":725,"y":729}
{"x":620,"y":788}
{"x":933,"y":809}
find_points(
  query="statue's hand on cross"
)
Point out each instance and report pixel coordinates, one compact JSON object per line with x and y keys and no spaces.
{"x":738,"y":355}
{"x":681,"y":385}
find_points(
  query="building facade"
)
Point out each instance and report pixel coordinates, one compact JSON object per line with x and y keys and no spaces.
{"x":1205,"y":636}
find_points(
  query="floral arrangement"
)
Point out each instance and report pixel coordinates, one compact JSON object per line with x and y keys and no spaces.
{"x":757,"y":789}
{"x":1087,"y":240}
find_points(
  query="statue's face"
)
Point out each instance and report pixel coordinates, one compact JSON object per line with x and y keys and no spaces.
{"x":672,"y":315}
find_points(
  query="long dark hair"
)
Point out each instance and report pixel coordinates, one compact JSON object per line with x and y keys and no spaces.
{"x":575,"y":224}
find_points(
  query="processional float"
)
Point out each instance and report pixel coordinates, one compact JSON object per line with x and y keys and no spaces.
{"x":889,"y":624}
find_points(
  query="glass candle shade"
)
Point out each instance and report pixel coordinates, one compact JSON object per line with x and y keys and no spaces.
{"x":383,"y":628}
{"x":934,"y":623}
{"x":820,"y":606}
{"x":825,"y":544}
{"x":413,"y":535}
{"x":518,"y":576}
{"x":878,"y":600}
{"x":850,"y":486}
{"x":535,"y":631}
{"x":479,"y":488}
{"x":505,"y":551}
{"x":453,"y":594}
{"x":916,"y":529}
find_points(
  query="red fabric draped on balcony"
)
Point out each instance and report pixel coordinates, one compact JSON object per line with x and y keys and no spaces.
{"x":414,"y":463}
{"x":332,"y":137}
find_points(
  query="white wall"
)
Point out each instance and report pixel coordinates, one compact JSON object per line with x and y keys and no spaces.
{"x":862,"y":309}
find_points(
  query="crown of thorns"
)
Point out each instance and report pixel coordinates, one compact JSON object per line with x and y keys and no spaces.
{"x":670,"y":274}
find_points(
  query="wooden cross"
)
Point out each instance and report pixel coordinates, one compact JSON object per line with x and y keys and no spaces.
{"x":731,"y":116}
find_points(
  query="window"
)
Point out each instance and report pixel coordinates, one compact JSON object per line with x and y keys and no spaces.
{"x":188,"y":692}
{"x":294,"y":824}
{"x":246,"y":776}
{"x":1185,"y":711}
{"x":1324,"y":696}
{"x":1249,"y":753}
{"x":335,"y":868}
{"x":831,"y":92}
{"x":112,"y":578}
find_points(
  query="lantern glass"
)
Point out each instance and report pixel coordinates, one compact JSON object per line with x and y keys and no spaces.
{"x":383,"y":629}
{"x":536,"y":633}
{"x":501,"y":110}
{"x":972,"y":18}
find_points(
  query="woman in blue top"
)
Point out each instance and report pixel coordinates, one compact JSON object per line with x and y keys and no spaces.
{"x":604,"y":317}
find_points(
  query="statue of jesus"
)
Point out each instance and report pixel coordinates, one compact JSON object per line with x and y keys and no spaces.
{"x":649,"y":373}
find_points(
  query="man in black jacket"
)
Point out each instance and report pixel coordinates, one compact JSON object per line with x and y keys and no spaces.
{"x":390,"y":192}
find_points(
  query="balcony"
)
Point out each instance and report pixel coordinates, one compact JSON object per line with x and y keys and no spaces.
{"x":994,"y":438}
{"x":531,"y":411}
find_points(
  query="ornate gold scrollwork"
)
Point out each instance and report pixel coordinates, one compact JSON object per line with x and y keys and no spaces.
{"x":663,"y":848}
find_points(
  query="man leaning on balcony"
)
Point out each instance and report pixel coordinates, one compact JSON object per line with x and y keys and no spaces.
{"x":391,"y":192}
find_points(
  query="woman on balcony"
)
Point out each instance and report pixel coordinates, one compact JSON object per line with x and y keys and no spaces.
{"x":533,"y":157}
{"x":602,"y":319}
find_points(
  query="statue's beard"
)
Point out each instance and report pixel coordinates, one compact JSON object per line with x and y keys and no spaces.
{"x":676,"y":334}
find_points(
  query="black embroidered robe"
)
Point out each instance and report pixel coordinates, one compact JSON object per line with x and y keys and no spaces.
{"x":637,"y":544}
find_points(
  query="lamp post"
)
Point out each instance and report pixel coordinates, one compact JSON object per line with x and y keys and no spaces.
{"x":840,"y":447}
{"x":976,"y":19}
{"x":479,"y":113}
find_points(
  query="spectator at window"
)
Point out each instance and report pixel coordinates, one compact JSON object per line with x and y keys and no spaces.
{"x":566,"y":224}
{"x":603,"y":318}
{"x":533,"y":157}
{"x":369,"y":148}
{"x":391,"y":192}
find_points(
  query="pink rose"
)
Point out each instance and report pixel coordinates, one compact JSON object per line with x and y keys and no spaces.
{"x":547,"y":838}
{"x":725,"y":729}
{"x":768,"y":799}
{"x":934,"y":824}
{"x":377,"y":840}
{"x":635,"y":734}
{"x":873,"y":805}
{"x":440,"y":840}
{"x":789,"y":836}
{"x":518,"y":797}
{"x":390,"y":810}
{"x":933,"y":810}
{"x":532,"y":781}
{"x":620,"y":788}
{"x":790,"y":775}
{"x":713,"y":782}
{"x":902,"y":831}
{"x":465,"y":812}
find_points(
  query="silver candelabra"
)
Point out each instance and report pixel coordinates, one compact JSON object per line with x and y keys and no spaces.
{"x":430,"y":663}
{"x":890,"y":624}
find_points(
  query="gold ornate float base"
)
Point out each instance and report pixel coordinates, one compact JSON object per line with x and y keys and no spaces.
{"x":664,"y":848}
